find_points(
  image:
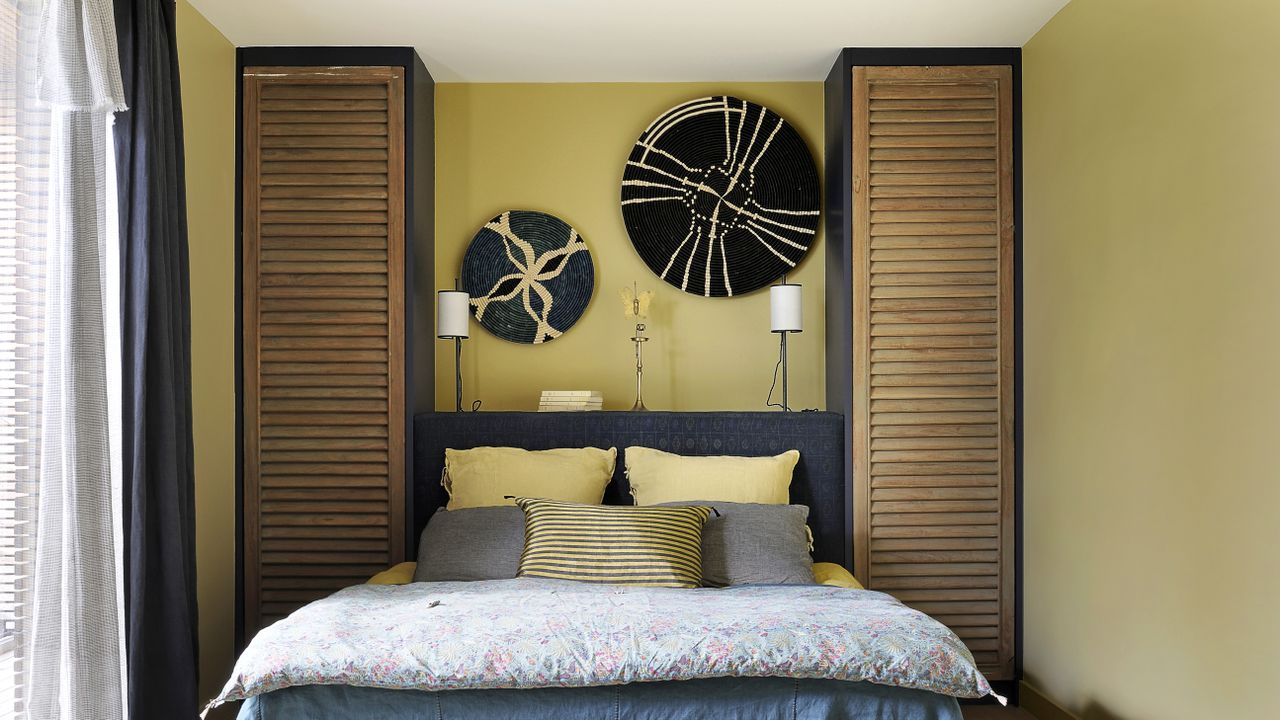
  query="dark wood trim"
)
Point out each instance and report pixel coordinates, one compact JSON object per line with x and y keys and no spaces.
{"x":1017,"y":373}
{"x":401,"y":341}
{"x":838,"y":165}
{"x":419,"y":214}
{"x":838,"y":93}
{"x":419,"y":260}
{"x":321,"y":56}
{"x":237,"y":240}
{"x":248,"y":587}
{"x":849,"y":57}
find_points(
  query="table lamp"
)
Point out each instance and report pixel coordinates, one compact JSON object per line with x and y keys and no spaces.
{"x":786,"y":315}
{"x":453,"y":322}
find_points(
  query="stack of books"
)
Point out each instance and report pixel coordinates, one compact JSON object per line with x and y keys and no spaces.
{"x":570,"y":400}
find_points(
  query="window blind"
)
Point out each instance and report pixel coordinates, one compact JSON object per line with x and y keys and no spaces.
{"x":23,"y":170}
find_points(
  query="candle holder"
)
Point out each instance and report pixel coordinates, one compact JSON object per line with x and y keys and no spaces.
{"x":639,"y":339}
{"x":636,"y":307}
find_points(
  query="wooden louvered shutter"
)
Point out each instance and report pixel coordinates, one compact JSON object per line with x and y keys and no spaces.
{"x":324,"y":332}
{"x":933,"y":346}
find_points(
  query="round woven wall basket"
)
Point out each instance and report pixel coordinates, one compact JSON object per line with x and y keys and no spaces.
{"x":529,"y":275}
{"x":720,"y":196}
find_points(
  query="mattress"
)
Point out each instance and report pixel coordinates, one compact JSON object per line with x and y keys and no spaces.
{"x":710,"y":699}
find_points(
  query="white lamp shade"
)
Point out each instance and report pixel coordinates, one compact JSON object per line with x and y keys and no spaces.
{"x":786,"y":309}
{"x":453,"y":314}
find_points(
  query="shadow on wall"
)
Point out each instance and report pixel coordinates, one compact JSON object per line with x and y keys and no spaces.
{"x":1042,"y":707}
{"x":669,"y":352}
{"x":1094,"y":711}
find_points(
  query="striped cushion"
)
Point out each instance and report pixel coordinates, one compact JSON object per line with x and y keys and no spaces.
{"x":654,"y":546}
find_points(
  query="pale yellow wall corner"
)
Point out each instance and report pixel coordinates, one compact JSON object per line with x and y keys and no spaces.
{"x":1151,"y":256}
{"x":207,"y":64}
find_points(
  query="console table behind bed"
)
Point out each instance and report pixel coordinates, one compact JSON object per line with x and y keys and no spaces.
{"x":819,"y":436}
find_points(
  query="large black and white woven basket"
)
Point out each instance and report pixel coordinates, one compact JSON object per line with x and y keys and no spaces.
{"x":720,"y":196}
{"x":529,"y":275}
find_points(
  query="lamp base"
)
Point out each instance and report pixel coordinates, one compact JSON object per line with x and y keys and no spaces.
{"x":639,"y":340}
{"x":786,"y":405}
{"x":457,"y":374}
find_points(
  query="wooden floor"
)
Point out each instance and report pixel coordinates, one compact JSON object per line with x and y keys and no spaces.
{"x":995,"y":712}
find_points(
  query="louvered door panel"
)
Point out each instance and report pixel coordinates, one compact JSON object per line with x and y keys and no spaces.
{"x":324,"y":332}
{"x":933,"y":346}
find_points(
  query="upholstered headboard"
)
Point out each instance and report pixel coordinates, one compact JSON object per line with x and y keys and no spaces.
{"x":819,"y":436}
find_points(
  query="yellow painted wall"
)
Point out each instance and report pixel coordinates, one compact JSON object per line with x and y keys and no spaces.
{"x":1152,"y":311}
{"x":207,"y":63}
{"x":560,"y":148}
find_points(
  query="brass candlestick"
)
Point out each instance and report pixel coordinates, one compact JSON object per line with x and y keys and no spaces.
{"x":635,"y":306}
{"x":639,"y":339}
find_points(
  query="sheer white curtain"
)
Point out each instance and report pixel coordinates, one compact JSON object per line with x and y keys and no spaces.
{"x":59,"y":593}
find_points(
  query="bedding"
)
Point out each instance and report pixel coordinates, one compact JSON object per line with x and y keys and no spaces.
{"x":755,"y":544}
{"x":539,"y":633}
{"x":650,"y":546}
{"x":488,"y":476}
{"x":710,"y":699}
{"x":658,"y":477}
{"x":482,"y":543}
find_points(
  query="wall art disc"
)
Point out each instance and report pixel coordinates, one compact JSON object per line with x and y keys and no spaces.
{"x":529,"y":275}
{"x":720,"y":196}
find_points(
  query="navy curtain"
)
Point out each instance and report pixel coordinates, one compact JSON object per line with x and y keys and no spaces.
{"x":158,"y":470}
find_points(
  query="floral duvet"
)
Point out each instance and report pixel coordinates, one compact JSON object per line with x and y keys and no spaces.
{"x":531,"y":633}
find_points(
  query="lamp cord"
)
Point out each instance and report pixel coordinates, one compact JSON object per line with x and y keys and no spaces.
{"x":475,"y":404}
{"x":768,"y":401}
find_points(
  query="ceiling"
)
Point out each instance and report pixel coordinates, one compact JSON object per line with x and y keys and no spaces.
{"x":626,"y":40}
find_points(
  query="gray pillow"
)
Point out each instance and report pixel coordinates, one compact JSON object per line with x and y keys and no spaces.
{"x":481,"y":543}
{"x":752,"y":544}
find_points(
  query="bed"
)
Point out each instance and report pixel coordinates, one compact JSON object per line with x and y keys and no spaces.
{"x":539,"y":648}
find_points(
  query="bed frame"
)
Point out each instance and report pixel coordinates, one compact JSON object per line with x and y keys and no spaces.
{"x":819,"y":436}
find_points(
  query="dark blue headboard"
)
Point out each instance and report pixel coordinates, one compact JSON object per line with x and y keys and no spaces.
{"x":819,"y":436}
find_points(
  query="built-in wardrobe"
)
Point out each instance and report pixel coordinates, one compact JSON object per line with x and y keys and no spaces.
{"x":922,"y":203}
{"x":335,"y":249}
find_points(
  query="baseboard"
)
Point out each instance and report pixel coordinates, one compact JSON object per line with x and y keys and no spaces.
{"x":1040,"y":705}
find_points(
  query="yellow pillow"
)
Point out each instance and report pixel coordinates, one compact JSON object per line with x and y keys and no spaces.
{"x":486,"y":476}
{"x":836,"y":575}
{"x":658,"y":477}
{"x":401,"y":574}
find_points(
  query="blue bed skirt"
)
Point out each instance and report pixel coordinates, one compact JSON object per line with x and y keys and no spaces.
{"x":714,"y":699}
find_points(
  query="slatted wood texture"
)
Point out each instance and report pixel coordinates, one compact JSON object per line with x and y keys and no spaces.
{"x":933,"y":346}
{"x":324,"y":332}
